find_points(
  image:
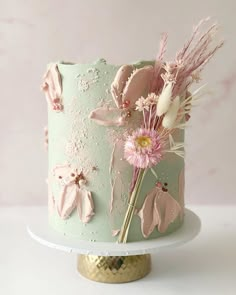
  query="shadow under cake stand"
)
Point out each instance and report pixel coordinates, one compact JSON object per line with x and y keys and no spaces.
{"x":113,"y":262}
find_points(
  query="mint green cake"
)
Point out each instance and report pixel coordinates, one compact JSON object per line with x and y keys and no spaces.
{"x":116,"y":143}
{"x":79,"y":145}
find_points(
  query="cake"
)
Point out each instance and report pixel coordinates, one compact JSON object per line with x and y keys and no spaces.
{"x":116,"y":143}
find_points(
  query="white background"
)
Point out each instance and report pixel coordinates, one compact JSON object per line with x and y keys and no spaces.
{"x":33,"y":33}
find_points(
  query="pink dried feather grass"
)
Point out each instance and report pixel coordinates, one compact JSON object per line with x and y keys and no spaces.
{"x":189,"y":61}
{"x":157,"y":80}
{"x":196,"y":53}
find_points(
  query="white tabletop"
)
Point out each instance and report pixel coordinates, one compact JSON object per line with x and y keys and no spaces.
{"x":206,"y":265}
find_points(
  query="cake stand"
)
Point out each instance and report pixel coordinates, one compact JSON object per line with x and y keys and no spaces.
{"x":109,"y":262}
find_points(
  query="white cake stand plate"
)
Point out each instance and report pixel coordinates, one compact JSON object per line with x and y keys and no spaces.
{"x":92,"y":263}
{"x":40,"y":231}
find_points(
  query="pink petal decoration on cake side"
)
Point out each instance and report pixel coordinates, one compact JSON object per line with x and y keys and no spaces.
{"x":119,"y":82}
{"x":72,"y":194}
{"x":61,"y":170}
{"x":168,"y":209}
{"x":137,"y":85}
{"x":107,"y":116}
{"x":159,"y":209}
{"x":64,"y":173}
{"x":128,"y":86}
{"x":148,"y":214}
{"x":115,"y":232}
{"x":117,"y":169}
{"x":85,"y":205}
{"x":67,"y":200}
{"x":52,"y":86}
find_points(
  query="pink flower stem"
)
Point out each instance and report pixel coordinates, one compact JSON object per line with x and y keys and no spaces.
{"x":150,"y":117}
{"x":157,"y":125}
{"x":134,"y":179}
{"x":144,"y":119}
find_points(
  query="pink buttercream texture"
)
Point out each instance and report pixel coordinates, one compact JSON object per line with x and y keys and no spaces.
{"x":52,"y":87}
{"x":72,"y":195}
{"x":159,"y":210}
{"x":128,"y":86}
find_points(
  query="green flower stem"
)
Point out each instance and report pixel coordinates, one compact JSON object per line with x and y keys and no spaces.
{"x":131,"y":208}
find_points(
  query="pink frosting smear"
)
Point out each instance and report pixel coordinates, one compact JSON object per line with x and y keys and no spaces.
{"x":72,"y":195}
{"x":159,"y":210}
{"x":52,"y":87}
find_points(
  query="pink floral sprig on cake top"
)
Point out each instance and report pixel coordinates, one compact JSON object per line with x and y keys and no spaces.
{"x":165,"y":108}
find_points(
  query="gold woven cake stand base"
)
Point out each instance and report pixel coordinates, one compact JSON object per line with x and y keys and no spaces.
{"x":114,"y":269}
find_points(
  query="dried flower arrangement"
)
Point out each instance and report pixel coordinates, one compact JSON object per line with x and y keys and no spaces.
{"x":166,"y":108}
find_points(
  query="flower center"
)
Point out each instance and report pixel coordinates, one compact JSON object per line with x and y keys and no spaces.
{"x":143,"y":141}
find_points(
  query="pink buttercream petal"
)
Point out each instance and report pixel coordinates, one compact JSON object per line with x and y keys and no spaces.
{"x":159,"y":209}
{"x":107,"y":116}
{"x":119,"y":82}
{"x":118,"y":168}
{"x":52,"y":85}
{"x":148,"y":214}
{"x":137,"y":85}
{"x":64,"y":173}
{"x":61,"y":170}
{"x":115,"y":232}
{"x":67,"y":200}
{"x":85,"y":205}
{"x":168,"y":209}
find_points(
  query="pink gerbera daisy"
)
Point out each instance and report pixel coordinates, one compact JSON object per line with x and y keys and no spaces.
{"x":143,"y":148}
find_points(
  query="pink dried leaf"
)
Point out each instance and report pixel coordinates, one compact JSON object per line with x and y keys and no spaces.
{"x":64,"y":173}
{"x":119,"y":82}
{"x":107,"y":116}
{"x":85,"y":205}
{"x":67,"y":200}
{"x":137,"y":85}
